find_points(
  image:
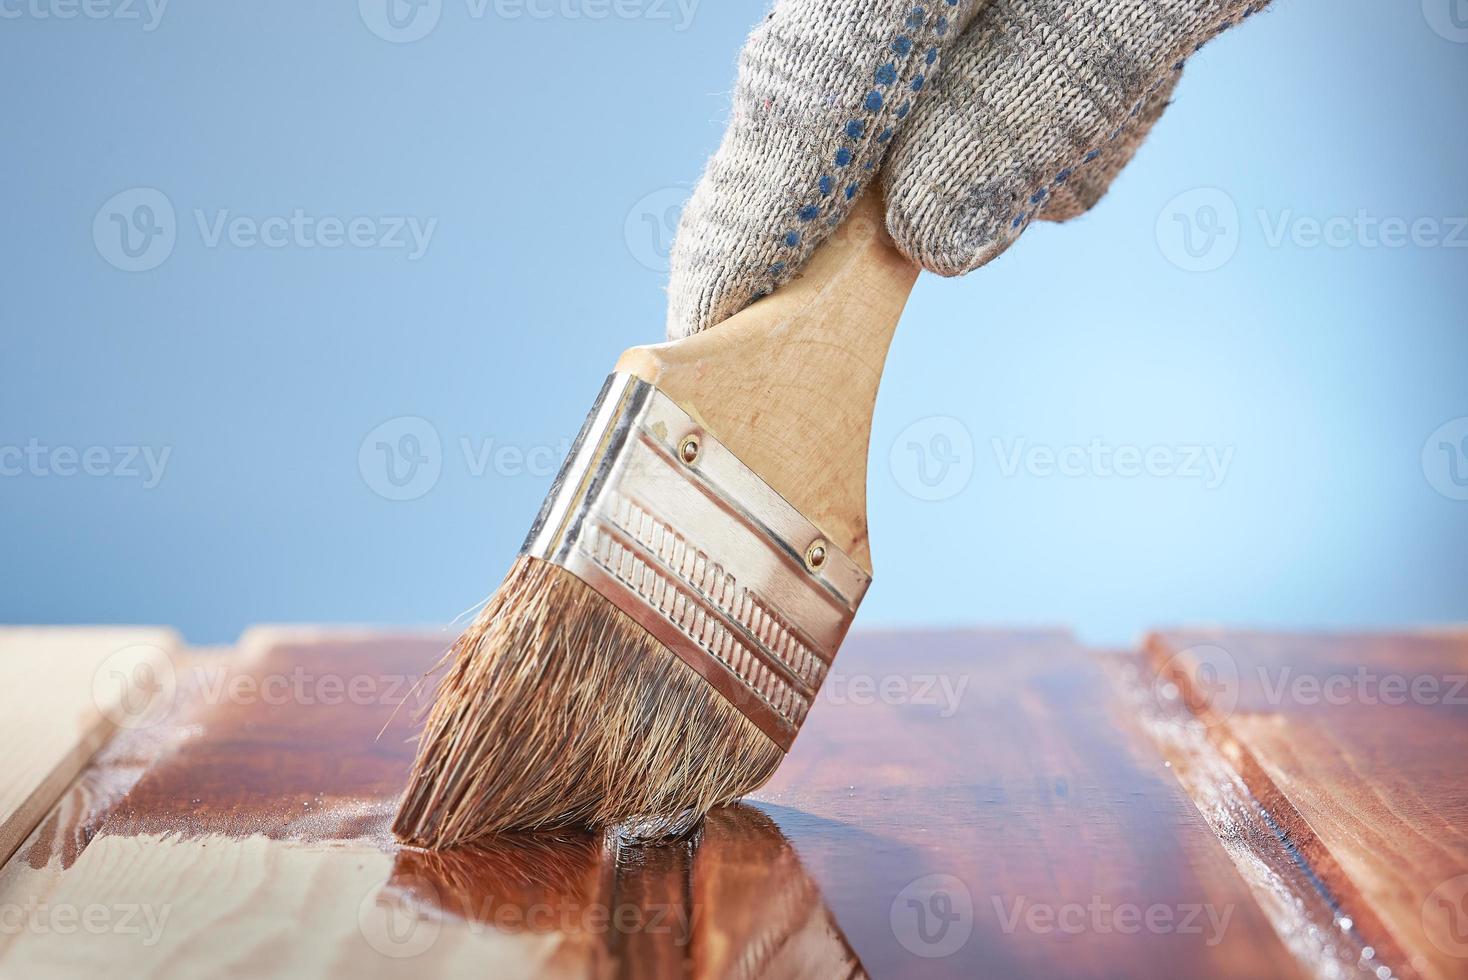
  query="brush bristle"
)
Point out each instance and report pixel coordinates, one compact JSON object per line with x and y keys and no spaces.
{"x":558,"y":710}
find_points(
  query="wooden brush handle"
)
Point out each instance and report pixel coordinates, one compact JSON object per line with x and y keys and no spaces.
{"x":789,"y":383}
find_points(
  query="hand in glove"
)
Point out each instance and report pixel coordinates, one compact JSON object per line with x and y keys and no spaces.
{"x":977,"y":117}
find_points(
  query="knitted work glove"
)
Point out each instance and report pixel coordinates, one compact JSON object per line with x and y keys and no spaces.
{"x":980,"y":116}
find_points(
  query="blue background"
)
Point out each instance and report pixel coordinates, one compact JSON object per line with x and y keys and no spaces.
{"x":552,"y":153}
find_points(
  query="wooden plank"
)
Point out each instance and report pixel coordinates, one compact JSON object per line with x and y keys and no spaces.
{"x":958,"y":804}
{"x":227,"y":840}
{"x":1286,"y":885}
{"x":997,"y":777}
{"x":61,"y":836}
{"x":254,"y":840}
{"x":1358,"y":746}
{"x":63,"y":692}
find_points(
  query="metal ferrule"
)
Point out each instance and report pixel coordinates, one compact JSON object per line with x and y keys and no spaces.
{"x":656,"y":515}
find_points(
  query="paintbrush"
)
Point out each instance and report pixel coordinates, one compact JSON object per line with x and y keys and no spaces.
{"x":667,"y":625}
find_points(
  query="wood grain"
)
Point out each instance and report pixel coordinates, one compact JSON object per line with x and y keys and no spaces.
{"x":63,"y":692}
{"x":254,"y":840}
{"x":1358,"y":746}
{"x":1006,"y":764}
{"x":247,"y":832}
{"x":789,"y":384}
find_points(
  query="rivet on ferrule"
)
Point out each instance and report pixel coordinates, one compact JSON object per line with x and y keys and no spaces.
{"x":665,"y":522}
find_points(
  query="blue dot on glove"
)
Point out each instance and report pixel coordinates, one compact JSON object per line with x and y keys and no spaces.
{"x":843,"y":157}
{"x":874,"y":101}
{"x":902,"y":45}
{"x":809,"y":212}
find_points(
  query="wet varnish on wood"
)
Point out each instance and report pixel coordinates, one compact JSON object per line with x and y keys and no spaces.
{"x":959,"y":804}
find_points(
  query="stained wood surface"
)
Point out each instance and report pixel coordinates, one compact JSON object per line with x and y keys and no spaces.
{"x":1033,"y":797}
{"x":63,"y":691}
{"x":1358,"y":747}
{"x":958,"y":804}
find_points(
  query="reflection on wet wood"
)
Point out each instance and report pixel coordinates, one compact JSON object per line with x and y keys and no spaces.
{"x":1358,"y":747}
{"x":958,"y":804}
{"x":732,"y":901}
{"x":996,"y":783}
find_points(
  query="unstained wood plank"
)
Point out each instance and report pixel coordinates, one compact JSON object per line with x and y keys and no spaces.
{"x":63,"y":692}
